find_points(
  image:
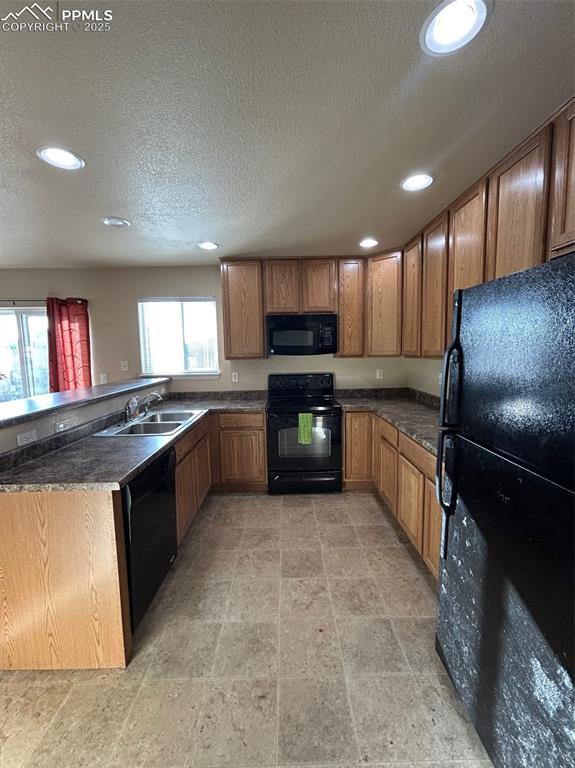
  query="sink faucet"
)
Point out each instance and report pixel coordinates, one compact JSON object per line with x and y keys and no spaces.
{"x":136,"y":404}
{"x":147,"y":400}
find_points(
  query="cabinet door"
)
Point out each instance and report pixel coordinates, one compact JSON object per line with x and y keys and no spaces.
{"x":202,"y":473}
{"x":562,"y":206}
{"x":517,"y":208}
{"x":282,"y":285}
{"x":242,"y":456}
{"x":358,"y":445}
{"x":411,"y":326}
{"x":375,"y":458}
{"x":388,"y":457}
{"x":434,"y":289}
{"x":243,"y":310}
{"x":351,"y":307}
{"x":410,"y":501}
{"x":186,"y":502}
{"x":466,"y":250}
{"x":432,"y":521}
{"x":318,"y":285}
{"x":384,"y":304}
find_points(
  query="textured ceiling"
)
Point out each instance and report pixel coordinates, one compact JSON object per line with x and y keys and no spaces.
{"x":274,"y":128}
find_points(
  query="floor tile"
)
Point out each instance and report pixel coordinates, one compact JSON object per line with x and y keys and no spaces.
{"x":305,"y":597}
{"x":309,"y":648}
{"x":375,"y":535}
{"x":391,"y":720}
{"x":231,"y":517}
{"x":369,"y":646}
{"x":345,"y":562}
{"x":407,"y":596}
{"x":300,"y":537}
{"x":456,"y":735}
{"x":301,"y":563}
{"x":238,"y":726}
{"x":332,"y":515}
{"x":260,"y":538}
{"x":263,"y":517}
{"x":220,"y":537}
{"x":314,"y":721}
{"x":205,"y":601}
{"x":338,"y":536}
{"x":417,"y":638}
{"x":391,"y":561}
{"x":253,"y":600}
{"x":25,"y":713}
{"x":84,"y":731}
{"x":295,"y":500}
{"x":302,"y":515}
{"x":365,"y":515}
{"x":187,"y":650}
{"x":161,"y":728}
{"x":247,"y":649}
{"x":356,"y":597}
{"x":260,"y":564}
{"x":212,"y":565}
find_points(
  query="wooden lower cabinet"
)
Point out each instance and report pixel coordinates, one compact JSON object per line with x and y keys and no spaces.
{"x":387,"y":480}
{"x":410,"y":487}
{"x":193,"y":482}
{"x":202,"y":469}
{"x":432,"y":522}
{"x":358,"y":446}
{"x":242,"y":456}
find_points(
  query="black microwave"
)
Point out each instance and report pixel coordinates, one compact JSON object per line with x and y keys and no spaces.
{"x":301,"y":334}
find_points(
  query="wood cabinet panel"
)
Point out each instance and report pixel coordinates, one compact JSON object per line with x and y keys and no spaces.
{"x":384,"y":281}
{"x":193,"y":436}
{"x":358,"y":445}
{"x":202,"y":470}
{"x":410,"y":501}
{"x":241,"y":420}
{"x":242,"y":456}
{"x":243,"y":309}
{"x":432,"y":522}
{"x":562,"y":203}
{"x":517,"y":208}
{"x":388,"y":431}
{"x":466,"y":250}
{"x":434,"y":288}
{"x":388,"y":459}
{"x":411,"y":325}
{"x":186,"y":496}
{"x":423,"y":459}
{"x":351,"y":308}
{"x":318,"y":285}
{"x":375,"y":463}
{"x":282,"y":285}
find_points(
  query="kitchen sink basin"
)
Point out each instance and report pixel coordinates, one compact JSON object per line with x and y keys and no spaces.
{"x":154,"y":428}
{"x":169,"y":416}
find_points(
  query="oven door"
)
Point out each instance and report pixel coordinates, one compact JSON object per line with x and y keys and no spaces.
{"x":286,"y":453}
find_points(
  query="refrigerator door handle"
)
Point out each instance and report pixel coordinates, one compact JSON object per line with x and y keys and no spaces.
{"x":453,"y":353}
{"x":447,"y":508}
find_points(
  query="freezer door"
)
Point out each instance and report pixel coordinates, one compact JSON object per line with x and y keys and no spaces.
{"x":506,"y":604}
{"x":513,"y":373}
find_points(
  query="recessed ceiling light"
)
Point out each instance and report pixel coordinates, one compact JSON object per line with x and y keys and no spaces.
{"x":60,"y":158}
{"x":114,"y":221}
{"x":208,"y":245}
{"x":416,"y":182}
{"x":452,"y":25}
{"x":368,"y":242}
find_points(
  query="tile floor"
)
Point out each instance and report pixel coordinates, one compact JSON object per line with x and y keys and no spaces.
{"x":291,"y":631}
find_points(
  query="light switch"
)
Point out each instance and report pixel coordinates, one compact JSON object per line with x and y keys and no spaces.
{"x":379,"y":373}
{"x":123,"y":365}
{"x":235,"y":377}
{"x":103,"y":378}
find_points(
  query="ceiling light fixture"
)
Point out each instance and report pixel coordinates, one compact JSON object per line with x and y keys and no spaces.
{"x":208,"y":245}
{"x":417,"y":181}
{"x":115,"y":221}
{"x":60,"y":158}
{"x":451,"y":25}
{"x":368,"y":242}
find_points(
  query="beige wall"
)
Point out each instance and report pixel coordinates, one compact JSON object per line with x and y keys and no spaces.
{"x":113,"y":295}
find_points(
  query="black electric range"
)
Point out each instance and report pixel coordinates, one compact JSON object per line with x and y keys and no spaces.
{"x":312,"y":465}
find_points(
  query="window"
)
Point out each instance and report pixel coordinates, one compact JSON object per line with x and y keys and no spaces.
{"x":23,"y":352}
{"x":178,"y":336}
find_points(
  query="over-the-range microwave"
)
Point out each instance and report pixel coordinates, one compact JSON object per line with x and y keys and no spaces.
{"x":301,"y":334}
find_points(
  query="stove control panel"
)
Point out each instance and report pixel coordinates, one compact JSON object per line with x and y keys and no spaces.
{"x":300,"y":383}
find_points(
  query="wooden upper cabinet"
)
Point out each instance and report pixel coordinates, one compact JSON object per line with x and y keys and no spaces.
{"x":517,"y":208}
{"x":384,"y":304}
{"x":318,"y":285}
{"x":562,"y":203}
{"x":411,"y":325}
{"x":243,"y":309}
{"x":282,"y":285}
{"x":466,"y":250}
{"x":434,"y":289}
{"x":351,"y":307}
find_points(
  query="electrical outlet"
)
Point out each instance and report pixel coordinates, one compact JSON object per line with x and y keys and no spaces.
{"x":235,"y":377}
{"x":440,"y":377}
{"x":27,"y":437}
{"x":103,"y":378}
{"x":124,"y":365}
{"x":379,"y":373}
{"x":60,"y":426}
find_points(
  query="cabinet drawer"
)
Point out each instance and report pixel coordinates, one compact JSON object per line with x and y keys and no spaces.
{"x":241,"y":420}
{"x":418,"y":456}
{"x":388,"y":431}
{"x":187,"y":442}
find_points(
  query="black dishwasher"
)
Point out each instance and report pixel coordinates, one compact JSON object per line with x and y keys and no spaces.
{"x":149,"y":504}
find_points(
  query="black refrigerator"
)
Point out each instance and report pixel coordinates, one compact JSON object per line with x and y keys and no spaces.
{"x":505,"y":482}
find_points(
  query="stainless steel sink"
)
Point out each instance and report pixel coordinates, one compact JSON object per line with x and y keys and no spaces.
{"x":160,"y":416}
{"x":154,"y":428}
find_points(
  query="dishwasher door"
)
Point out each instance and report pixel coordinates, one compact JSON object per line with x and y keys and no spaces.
{"x":149,"y":502}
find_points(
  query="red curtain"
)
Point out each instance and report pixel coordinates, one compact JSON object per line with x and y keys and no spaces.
{"x":68,"y":344}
